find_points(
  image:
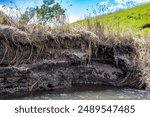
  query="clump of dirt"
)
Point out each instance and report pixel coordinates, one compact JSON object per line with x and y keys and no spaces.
{"x":53,"y":60}
{"x":145,"y":26}
{"x":18,"y":47}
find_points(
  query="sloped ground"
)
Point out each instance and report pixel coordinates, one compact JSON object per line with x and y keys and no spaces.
{"x":134,"y":20}
{"x":44,"y":61}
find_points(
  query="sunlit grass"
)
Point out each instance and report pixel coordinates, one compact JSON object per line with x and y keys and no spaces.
{"x":125,"y":21}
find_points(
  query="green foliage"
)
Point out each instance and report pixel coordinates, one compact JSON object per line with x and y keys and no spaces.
{"x":125,"y":21}
{"x":25,"y":18}
{"x":49,"y":11}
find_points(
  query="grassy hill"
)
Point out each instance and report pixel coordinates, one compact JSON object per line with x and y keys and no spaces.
{"x":135,"y":20}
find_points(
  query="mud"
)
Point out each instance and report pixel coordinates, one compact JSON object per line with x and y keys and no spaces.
{"x":30,"y":63}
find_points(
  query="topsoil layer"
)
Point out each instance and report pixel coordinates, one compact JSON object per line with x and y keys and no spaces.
{"x":43,"y":61}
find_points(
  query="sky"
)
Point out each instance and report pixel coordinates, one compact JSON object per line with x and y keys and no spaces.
{"x":75,"y":9}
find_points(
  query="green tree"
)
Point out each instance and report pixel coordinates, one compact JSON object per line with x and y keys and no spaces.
{"x":49,"y":11}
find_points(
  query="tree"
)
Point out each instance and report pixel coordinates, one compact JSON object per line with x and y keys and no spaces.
{"x":49,"y":11}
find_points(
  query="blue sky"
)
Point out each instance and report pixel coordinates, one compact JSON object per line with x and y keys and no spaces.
{"x":78,"y":10}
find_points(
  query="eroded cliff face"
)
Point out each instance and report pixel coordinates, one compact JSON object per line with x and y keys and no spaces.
{"x":44,"y":62}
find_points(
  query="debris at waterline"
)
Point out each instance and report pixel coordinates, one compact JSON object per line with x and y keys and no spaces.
{"x":31,"y":62}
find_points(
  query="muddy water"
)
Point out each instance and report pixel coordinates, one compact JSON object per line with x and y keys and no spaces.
{"x":94,"y":93}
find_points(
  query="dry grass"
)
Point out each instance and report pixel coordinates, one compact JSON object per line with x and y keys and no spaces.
{"x":22,"y":47}
{"x":6,"y":20}
{"x":27,"y":44}
{"x":136,"y":49}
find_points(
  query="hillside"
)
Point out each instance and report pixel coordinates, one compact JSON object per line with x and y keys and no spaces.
{"x":135,"y":20}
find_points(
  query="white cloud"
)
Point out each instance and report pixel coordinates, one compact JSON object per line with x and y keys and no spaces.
{"x":123,"y":4}
{"x":73,"y":19}
{"x":103,"y":3}
{"x":121,"y":1}
{"x":134,"y":1}
{"x":116,"y":7}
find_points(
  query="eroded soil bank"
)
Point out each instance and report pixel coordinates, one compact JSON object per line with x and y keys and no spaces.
{"x":31,"y":62}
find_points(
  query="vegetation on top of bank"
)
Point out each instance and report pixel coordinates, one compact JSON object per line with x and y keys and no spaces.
{"x":26,"y":44}
{"x":134,"y":20}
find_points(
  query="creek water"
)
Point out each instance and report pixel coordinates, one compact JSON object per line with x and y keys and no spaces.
{"x":93,"y":93}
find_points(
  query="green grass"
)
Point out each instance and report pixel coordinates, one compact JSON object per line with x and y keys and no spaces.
{"x":125,"y":21}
